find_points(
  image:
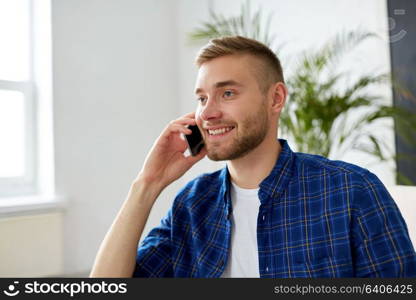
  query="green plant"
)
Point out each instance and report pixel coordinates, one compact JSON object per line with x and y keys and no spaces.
{"x":244,"y":24}
{"x":325,"y":113}
{"x":318,"y":112}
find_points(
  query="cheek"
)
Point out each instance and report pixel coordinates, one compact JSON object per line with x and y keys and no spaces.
{"x":198,"y":115}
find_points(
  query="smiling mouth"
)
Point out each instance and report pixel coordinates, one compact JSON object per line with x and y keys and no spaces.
{"x":221,"y":132}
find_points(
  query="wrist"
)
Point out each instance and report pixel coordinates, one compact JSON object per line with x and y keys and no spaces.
{"x":144,"y":184}
{"x":145,"y":180}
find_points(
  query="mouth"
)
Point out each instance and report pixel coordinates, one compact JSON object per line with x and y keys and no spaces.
{"x":219,"y":133}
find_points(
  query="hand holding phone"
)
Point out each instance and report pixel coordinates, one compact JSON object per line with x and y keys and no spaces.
{"x":166,"y":161}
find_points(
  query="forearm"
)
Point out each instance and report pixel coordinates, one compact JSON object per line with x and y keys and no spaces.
{"x":117,"y":253}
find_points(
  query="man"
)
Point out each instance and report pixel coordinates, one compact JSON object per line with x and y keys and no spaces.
{"x":270,"y":212}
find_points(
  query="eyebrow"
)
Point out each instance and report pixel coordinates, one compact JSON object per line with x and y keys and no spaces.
{"x":221,"y":84}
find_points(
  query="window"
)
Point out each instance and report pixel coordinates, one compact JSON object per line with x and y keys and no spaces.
{"x":17,"y":99}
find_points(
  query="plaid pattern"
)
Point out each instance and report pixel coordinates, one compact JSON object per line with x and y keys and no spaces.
{"x":317,"y":218}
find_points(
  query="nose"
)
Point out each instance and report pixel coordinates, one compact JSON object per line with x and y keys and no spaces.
{"x":210,"y":111}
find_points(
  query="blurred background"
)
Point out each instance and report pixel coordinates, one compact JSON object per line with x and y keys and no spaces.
{"x":86,"y":86}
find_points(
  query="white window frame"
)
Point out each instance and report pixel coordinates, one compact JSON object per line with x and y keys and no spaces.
{"x":27,"y":183}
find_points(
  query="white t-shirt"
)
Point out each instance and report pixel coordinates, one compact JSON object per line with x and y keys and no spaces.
{"x":243,"y":258}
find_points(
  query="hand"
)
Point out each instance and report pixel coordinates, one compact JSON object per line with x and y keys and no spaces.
{"x":166,"y":161}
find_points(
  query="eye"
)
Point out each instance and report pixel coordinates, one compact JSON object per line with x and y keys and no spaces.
{"x":200,"y":99}
{"x":228,"y":93}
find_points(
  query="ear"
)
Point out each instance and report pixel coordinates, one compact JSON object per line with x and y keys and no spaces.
{"x":278,"y":96}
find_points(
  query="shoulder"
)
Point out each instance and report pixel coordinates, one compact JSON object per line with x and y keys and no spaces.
{"x":365,"y":191}
{"x":358,"y":179}
{"x":319,"y":164}
{"x":364,"y":186}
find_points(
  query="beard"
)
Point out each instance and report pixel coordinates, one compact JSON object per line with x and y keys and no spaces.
{"x":247,"y":136}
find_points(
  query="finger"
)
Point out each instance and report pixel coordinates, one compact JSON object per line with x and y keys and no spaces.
{"x":179,"y":128}
{"x":173,"y":128}
{"x":184,"y":121}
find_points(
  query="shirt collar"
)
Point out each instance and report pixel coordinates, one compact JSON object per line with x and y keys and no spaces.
{"x":275,"y":183}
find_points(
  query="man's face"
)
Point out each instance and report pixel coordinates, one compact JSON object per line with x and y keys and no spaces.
{"x":232,"y":112}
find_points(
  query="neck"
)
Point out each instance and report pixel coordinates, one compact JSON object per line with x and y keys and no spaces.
{"x":250,"y":170}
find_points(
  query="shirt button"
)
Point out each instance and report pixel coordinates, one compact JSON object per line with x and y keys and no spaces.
{"x":264,"y":217}
{"x":267,"y":269}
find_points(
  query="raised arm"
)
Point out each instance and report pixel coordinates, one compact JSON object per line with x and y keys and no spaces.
{"x":164,"y":164}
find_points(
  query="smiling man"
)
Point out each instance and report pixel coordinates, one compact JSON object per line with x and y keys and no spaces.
{"x":270,"y":212}
{"x":246,"y":108}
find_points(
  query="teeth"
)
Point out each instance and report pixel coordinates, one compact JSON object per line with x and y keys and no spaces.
{"x":219,"y":131}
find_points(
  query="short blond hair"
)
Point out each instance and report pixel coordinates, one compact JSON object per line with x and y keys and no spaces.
{"x":269,"y":69}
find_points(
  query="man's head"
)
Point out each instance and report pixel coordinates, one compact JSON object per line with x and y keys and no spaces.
{"x":240,"y":86}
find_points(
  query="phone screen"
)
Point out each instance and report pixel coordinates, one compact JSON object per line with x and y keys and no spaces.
{"x":195,"y":141}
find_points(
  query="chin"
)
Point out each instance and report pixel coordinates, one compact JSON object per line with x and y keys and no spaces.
{"x":216,"y":157}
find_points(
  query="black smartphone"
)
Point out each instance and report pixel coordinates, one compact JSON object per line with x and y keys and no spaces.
{"x":195,"y":141}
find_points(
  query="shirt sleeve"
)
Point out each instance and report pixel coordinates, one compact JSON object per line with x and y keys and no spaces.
{"x":154,"y":253}
{"x":381,"y":242}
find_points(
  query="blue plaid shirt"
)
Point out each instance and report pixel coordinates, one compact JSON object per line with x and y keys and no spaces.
{"x":317,"y":218}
